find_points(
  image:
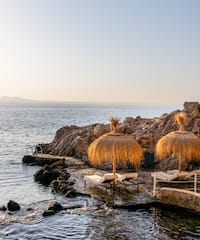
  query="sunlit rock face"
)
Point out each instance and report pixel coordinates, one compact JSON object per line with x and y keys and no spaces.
{"x":192,"y":110}
{"x":74,"y":141}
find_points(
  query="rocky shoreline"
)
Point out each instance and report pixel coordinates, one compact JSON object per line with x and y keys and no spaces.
{"x":65,"y":175}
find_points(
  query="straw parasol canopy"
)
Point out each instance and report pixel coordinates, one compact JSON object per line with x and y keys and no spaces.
{"x":115,"y":147}
{"x":183,"y":144}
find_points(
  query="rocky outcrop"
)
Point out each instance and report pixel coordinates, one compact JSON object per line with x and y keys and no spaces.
{"x":49,"y":173}
{"x":56,"y":176}
{"x":74,"y":141}
{"x":33,"y":160}
{"x":13,"y":206}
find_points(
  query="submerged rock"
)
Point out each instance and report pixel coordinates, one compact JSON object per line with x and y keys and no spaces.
{"x":13,"y":206}
{"x":48,"y":213}
{"x":60,"y":185}
{"x":3,"y":208}
{"x":57,"y":178}
{"x":53,"y":208}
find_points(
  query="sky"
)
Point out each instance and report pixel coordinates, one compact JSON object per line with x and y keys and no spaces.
{"x":145,"y":51}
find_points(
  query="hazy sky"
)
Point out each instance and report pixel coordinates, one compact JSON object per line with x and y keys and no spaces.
{"x":100,"y":50}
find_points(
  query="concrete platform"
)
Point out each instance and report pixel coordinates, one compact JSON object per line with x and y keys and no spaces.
{"x":180,"y":198}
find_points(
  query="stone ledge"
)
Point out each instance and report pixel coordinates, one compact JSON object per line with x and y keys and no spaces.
{"x":181,"y":198}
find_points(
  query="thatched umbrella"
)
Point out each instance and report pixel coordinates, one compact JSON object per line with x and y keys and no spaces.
{"x":183,"y":144}
{"x":115,"y":147}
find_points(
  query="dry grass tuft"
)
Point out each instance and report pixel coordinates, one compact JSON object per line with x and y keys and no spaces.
{"x":180,"y":118}
{"x":114,"y":123}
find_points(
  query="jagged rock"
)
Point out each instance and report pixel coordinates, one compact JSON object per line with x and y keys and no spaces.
{"x":48,"y":213}
{"x":60,"y":163}
{"x":192,"y":109}
{"x":57,"y":177}
{"x":13,"y":206}
{"x":74,"y":141}
{"x":60,"y":185}
{"x":53,"y":208}
{"x":72,"y":193}
{"x":48,"y":173}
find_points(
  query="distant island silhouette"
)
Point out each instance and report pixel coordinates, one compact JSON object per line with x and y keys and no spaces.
{"x":6,"y":99}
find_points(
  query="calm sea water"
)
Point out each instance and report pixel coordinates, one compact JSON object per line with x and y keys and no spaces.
{"x":23,"y":125}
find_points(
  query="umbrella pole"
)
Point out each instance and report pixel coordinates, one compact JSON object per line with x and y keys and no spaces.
{"x":114,"y":166}
{"x":114,"y":169}
{"x":180,"y":162}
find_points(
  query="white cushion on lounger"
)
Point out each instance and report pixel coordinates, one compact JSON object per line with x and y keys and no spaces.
{"x":93,"y":179}
{"x":110,"y":177}
{"x":165,"y":176}
{"x":107,"y":177}
{"x":133,"y":175}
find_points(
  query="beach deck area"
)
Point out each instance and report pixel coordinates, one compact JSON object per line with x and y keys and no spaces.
{"x":142,"y":190}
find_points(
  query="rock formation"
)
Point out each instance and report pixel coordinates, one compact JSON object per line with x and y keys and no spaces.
{"x":74,"y":141}
{"x":13,"y":206}
{"x":52,"y":208}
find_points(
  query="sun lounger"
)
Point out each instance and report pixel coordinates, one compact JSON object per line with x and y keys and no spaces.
{"x":169,"y":176}
{"x":108,"y":177}
{"x":177,"y":179}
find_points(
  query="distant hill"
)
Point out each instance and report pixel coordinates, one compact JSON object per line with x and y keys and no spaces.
{"x":5,"y":99}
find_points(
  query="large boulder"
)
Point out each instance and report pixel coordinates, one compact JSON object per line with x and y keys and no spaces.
{"x":49,"y":173}
{"x":74,"y":141}
{"x":192,"y":110}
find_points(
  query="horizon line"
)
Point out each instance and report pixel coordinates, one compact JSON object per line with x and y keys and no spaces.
{"x":7,"y":99}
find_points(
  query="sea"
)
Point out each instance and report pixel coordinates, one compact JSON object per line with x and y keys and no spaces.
{"x":25,"y":125}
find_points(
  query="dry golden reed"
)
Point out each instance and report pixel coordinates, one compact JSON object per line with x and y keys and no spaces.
{"x":116,"y":148}
{"x":184,"y":144}
{"x":180,"y":118}
{"x":114,"y":123}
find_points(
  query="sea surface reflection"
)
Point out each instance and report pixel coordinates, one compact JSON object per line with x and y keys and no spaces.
{"x":31,"y":124}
